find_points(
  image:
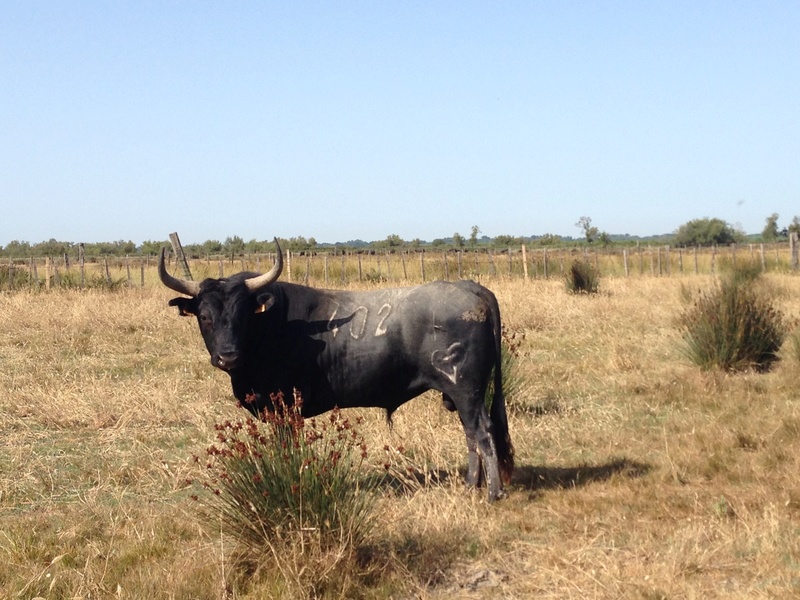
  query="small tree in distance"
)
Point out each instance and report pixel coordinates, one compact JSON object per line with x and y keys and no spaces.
{"x":706,"y":232}
{"x":589,"y":232}
{"x":770,"y":232}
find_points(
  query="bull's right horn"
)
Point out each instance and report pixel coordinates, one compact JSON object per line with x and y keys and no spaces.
{"x":182,"y":286}
{"x":254,"y":284}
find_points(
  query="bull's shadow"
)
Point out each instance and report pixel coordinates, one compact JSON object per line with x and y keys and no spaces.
{"x":536,"y":479}
{"x":526,"y":477}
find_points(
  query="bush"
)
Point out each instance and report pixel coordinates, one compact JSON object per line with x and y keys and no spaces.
{"x":291,"y":489}
{"x":732,"y":327}
{"x":582,"y":278}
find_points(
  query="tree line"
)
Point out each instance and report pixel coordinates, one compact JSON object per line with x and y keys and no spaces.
{"x":698,"y":232}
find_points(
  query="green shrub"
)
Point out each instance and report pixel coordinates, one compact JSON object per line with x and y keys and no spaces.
{"x":288,"y":480}
{"x":732,"y":327}
{"x":582,"y":278}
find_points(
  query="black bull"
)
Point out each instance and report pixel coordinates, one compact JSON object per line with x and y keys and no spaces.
{"x":376,"y":348}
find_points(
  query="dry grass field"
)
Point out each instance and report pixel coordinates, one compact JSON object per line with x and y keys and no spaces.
{"x":638,"y":475}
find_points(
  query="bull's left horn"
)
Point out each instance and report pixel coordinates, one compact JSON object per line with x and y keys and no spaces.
{"x":254,"y":284}
{"x":182,"y":286}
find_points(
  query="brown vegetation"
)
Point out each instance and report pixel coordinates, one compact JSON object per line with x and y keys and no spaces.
{"x":639,"y":476}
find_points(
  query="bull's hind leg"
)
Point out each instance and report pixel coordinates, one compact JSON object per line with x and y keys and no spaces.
{"x":480,"y":444}
{"x":474,"y":463}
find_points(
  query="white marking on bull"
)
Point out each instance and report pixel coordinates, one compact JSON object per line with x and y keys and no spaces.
{"x":448,"y":361}
{"x":331,"y":327}
{"x":384,"y":313}
{"x":356,"y":328}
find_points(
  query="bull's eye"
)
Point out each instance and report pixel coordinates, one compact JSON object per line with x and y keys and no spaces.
{"x":205,"y":320}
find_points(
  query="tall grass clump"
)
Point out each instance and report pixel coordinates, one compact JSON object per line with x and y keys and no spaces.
{"x":582,"y":278}
{"x":514,"y":381}
{"x":733,"y":327}
{"x":291,"y":489}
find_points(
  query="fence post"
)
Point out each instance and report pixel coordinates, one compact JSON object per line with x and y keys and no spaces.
{"x":82,"y":263}
{"x":793,"y":248}
{"x":713,"y":259}
{"x":177,"y":248}
{"x":446,"y":266}
{"x":422,"y":264}
{"x":763,"y":258}
{"x":524,"y":262}
{"x":545,"y":264}
{"x":344,"y":275}
{"x":625,"y":260}
{"x":658,"y":250}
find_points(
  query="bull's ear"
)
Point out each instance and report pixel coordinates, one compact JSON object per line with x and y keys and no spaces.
{"x":185,"y":306}
{"x":264,"y":302}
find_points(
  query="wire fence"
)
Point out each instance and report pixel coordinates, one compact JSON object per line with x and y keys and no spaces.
{"x":338,"y":269}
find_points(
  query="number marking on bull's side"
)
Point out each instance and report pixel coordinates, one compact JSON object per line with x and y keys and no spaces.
{"x":334,"y":329}
{"x":383,"y":313}
{"x":358,"y":325}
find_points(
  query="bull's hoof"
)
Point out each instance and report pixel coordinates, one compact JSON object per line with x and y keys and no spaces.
{"x":498,"y":495}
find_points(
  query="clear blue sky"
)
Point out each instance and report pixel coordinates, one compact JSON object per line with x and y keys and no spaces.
{"x":346,"y":120}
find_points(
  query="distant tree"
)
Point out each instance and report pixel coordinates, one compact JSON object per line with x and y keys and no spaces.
{"x":151,"y":247}
{"x":212,"y":247}
{"x":17,"y":249}
{"x":438,"y":243}
{"x":473,"y":236}
{"x":549,"y":239}
{"x":505,"y":241}
{"x":770,"y":232}
{"x":794,"y":227}
{"x":605,"y":239}
{"x":394,"y":241}
{"x":589,"y":232}
{"x":706,"y":232}
{"x":234,"y":246}
{"x":52,"y":248}
{"x":416,"y":243}
{"x":458,"y":240}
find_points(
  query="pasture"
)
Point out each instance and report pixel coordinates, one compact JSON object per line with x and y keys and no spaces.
{"x":638,"y":475}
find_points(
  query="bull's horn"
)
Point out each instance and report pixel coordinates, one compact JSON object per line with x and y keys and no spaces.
{"x":190,"y":288}
{"x":256,"y":283}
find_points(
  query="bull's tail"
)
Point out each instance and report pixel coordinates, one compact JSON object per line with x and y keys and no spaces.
{"x":502,"y":438}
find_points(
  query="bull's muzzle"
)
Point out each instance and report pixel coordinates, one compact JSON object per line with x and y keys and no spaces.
{"x":226,"y":361}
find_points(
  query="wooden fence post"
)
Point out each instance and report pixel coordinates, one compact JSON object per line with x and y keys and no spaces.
{"x":793,"y":249}
{"x":524,"y":262}
{"x":82,"y":263}
{"x":546,"y":273}
{"x":177,"y":248}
